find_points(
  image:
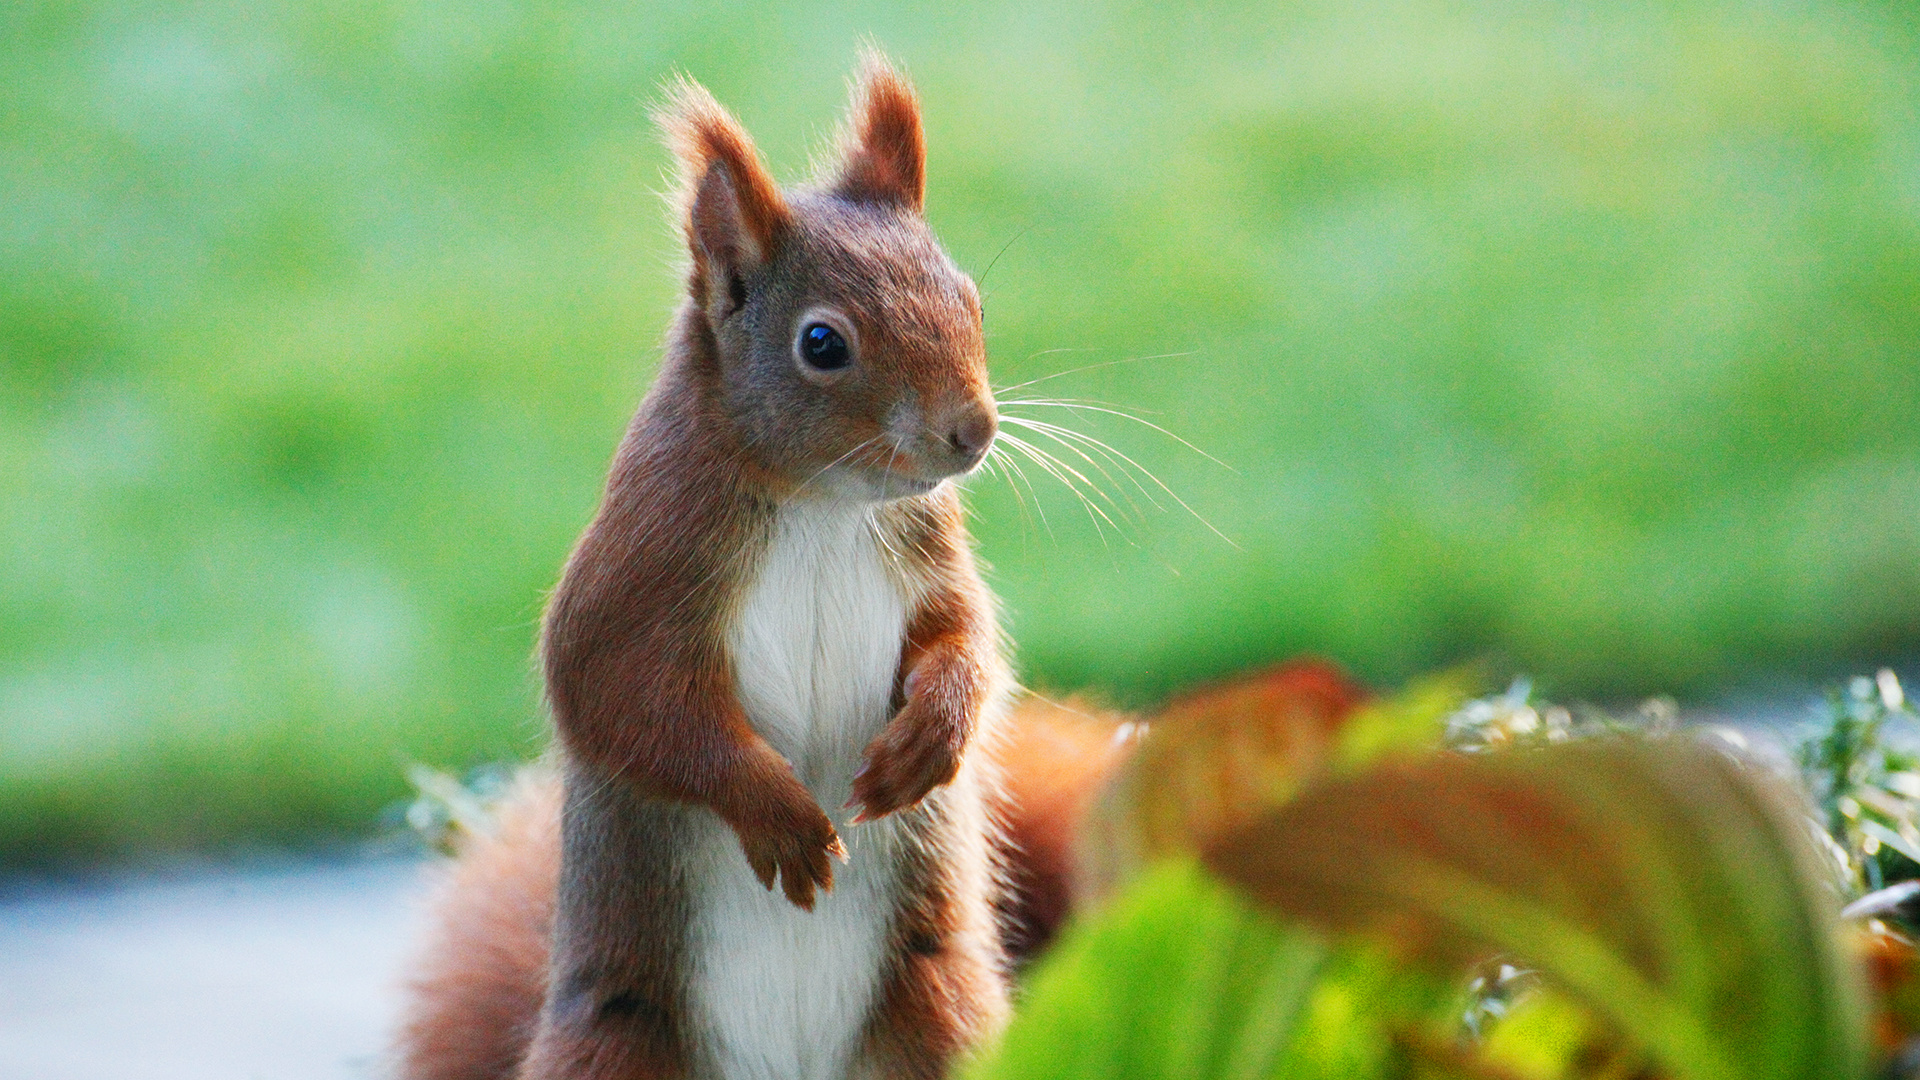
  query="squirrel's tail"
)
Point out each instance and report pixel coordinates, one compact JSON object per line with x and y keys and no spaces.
{"x":1055,"y":759}
{"x":483,"y":974}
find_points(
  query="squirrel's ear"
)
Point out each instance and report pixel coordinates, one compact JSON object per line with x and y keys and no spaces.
{"x":883,"y":153}
{"x":730,"y":208}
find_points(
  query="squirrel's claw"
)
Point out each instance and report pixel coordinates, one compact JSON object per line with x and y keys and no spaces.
{"x":763,"y":866}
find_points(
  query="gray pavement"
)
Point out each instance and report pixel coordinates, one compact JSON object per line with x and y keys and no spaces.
{"x":263,"y":973}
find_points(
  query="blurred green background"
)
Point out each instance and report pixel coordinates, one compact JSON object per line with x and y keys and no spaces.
{"x":1586,"y":334}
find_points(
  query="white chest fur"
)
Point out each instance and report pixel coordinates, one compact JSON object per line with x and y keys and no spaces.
{"x":783,"y":993}
{"x":817,"y":642}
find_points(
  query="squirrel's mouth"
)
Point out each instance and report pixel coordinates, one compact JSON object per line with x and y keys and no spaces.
{"x":886,"y":484}
{"x":893,"y":484}
{"x":871,"y":483}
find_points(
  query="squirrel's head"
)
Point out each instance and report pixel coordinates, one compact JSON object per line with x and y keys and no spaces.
{"x":846,"y":345}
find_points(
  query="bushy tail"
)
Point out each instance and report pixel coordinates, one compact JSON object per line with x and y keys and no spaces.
{"x":1056,"y":758}
{"x":482,"y":977}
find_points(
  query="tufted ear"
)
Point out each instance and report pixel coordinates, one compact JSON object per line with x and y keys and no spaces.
{"x":730,"y":209}
{"x":883,"y":153}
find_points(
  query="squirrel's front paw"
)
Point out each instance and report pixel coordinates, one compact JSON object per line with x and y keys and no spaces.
{"x":800,"y":850}
{"x":904,"y":762}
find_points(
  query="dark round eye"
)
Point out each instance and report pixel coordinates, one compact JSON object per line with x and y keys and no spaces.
{"x":823,"y":347}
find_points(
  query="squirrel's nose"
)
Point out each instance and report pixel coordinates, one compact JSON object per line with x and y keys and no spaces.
{"x":972,"y":433}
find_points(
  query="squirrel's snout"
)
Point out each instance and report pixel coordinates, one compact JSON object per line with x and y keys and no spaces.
{"x":972,"y":434}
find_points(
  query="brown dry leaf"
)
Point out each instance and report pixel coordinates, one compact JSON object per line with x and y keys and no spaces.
{"x":1219,"y":752}
{"x":1893,"y":971}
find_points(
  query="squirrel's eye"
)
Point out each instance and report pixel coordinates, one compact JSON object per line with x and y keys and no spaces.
{"x":823,"y":347}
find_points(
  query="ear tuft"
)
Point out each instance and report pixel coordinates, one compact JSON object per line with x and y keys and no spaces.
{"x":883,"y":152}
{"x":728,"y":204}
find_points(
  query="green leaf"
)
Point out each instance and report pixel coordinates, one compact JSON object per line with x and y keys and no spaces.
{"x":1663,"y":885}
{"x":1890,"y":838}
{"x":1542,"y":1039}
{"x":1365,"y":1001}
{"x":1178,"y":977}
{"x":1411,"y":720}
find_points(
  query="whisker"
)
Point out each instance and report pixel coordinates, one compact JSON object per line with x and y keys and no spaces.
{"x":1082,"y":401}
{"x":981,"y":282}
{"x":1014,"y":470}
{"x":1125,"y":415}
{"x":1089,"y":367}
{"x":989,"y":468}
{"x":1066,"y":438}
{"x":1071,"y":439}
{"x":1081,"y":439}
{"x":879,"y":535}
{"x":1148,"y":473}
{"x":1082,"y":478}
{"x":1055,"y":351}
{"x":887,"y":476}
{"x":817,"y":473}
{"x":1066,"y":474}
{"x":996,"y":467}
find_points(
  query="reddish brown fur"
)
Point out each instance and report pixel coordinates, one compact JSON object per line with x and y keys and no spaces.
{"x":702,"y":135}
{"x":634,"y":641}
{"x":1055,"y":759}
{"x":944,"y":984}
{"x":883,"y":149}
{"x":639,"y":679}
{"x":484,"y":972}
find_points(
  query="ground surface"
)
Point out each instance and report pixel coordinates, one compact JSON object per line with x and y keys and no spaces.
{"x":276,"y":973}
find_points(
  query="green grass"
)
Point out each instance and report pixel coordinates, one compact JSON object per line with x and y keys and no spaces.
{"x":1584,"y":333}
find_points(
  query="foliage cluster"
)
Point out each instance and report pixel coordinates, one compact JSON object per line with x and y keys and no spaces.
{"x":1496,"y":890}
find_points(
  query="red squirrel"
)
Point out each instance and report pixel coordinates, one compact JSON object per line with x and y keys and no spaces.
{"x":773,"y":623}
